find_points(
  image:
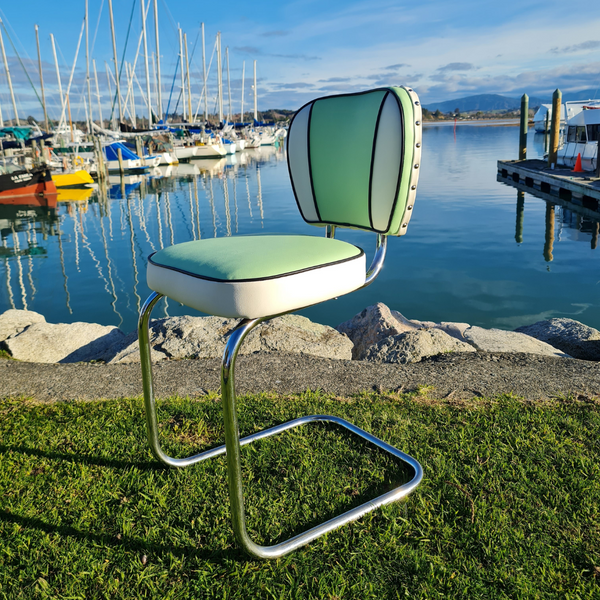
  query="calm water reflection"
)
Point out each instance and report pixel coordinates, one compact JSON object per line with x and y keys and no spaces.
{"x":473,"y":251}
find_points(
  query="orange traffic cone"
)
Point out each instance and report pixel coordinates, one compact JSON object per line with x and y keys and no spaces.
{"x":578,"y":168}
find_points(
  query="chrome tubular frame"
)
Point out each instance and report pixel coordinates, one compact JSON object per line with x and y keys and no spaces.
{"x":377,"y":262}
{"x":378,"y":258}
{"x":233,"y":442}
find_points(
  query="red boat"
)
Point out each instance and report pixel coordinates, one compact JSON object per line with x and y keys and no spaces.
{"x":24,"y":182}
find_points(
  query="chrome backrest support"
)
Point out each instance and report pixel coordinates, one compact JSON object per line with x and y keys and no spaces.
{"x":378,"y":259}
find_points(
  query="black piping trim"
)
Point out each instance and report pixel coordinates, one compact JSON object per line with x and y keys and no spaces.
{"x":337,"y":262}
{"x":310,"y":175}
{"x":401,"y":168}
{"x":373,"y":157}
{"x":309,"y":169}
{"x":402,"y":157}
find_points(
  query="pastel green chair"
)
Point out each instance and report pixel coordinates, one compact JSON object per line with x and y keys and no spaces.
{"x":354,"y":162}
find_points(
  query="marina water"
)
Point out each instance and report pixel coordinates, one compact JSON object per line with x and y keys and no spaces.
{"x":464,"y":257}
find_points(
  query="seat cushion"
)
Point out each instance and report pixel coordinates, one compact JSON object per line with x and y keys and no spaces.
{"x":256,"y":276}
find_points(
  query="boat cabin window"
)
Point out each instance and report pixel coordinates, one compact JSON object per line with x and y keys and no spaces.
{"x":593,"y":133}
{"x":576,"y":135}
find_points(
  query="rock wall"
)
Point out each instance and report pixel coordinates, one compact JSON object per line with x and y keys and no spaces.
{"x":376,"y":334}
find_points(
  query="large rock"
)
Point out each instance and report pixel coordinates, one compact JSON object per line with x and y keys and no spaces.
{"x":374,"y":324}
{"x":64,"y":343}
{"x":205,"y":337}
{"x":570,"y":336}
{"x":412,"y":346}
{"x":456,"y":330}
{"x":13,"y":321}
{"x":498,"y":340}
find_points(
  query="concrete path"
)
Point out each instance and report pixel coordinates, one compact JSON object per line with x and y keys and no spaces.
{"x":452,"y":376}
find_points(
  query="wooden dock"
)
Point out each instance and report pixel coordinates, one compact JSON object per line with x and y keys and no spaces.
{"x":582,"y":189}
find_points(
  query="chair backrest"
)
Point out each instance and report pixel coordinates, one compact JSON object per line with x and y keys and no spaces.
{"x":354,"y":159}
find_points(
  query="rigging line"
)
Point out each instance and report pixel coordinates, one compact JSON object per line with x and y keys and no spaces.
{"x":23,"y":49}
{"x":137,"y":53}
{"x":62,"y":116}
{"x":21,"y":63}
{"x":133,"y":66}
{"x":172,"y":86}
{"x":97,"y":25}
{"x":122,"y":60}
{"x":204,"y":86}
{"x":173,"y":24}
{"x":143,"y":94}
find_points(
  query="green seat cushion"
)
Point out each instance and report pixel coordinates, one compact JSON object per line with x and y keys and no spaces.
{"x":252,"y":258}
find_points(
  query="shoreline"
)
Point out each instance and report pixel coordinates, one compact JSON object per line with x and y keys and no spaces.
{"x":474,"y":123}
{"x":378,"y":350}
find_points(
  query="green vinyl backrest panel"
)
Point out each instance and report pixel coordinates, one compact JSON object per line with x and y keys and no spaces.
{"x":354,"y":159}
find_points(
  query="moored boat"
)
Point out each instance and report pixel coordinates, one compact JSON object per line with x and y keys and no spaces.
{"x":76,"y":179}
{"x":581,"y":137}
{"x":19,"y":181}
{"x":129,"y":162}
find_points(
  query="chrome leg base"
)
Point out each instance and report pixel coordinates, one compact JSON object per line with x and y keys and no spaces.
{"x":233,"y":444}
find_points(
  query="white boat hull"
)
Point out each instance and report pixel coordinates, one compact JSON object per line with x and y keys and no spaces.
{"x":567,"y":155}
{"x":210,"y":151}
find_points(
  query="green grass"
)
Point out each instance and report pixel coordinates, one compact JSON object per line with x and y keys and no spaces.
{"x":509,"y":506}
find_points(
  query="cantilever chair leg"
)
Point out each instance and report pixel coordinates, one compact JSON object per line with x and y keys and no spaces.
{"x":233,"y":444}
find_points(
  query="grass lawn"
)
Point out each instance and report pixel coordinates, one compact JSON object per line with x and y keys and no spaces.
{"x":509,"y":506}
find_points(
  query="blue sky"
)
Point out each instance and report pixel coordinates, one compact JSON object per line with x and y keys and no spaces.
{"x":308,"y":48}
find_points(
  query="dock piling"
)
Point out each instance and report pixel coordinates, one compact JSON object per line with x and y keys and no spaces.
{"x":523,"y":127}
{"x":554,"y":128}
{"x":120,"y":156}
{"x":549,"y":234}
{"x":520,"y":215}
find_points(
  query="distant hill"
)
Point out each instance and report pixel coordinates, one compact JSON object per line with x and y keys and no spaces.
{"x":486,"y":102}
{"x":582,"y":95}
{"x":483,"y":102}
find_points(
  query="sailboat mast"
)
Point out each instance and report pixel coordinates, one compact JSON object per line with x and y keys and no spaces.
{"x":204,"y":76}
{"x":10,"y":87}
{"x":189,"y":89}
{"x":130,"y":75}
{"x":142,"y":3}
{"x":37,"y":40}
{"x":114,"y":44}
{"x":87,"y":68}
{"x":255,"y":95}
{"x":98,"y":94}
{"x":159,"y":100}
{"x":228,"y":83}
{"x":60,"y":92}
{"x":242,"y":107}
{"x":108,"y":80}
{"x":220,"y":77}
{"x":155,"y":79}
{"x":182,"y":73}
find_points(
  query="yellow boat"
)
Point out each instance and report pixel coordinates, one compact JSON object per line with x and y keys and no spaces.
{"x":73,"y":194}
{"x":79,"y":178}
